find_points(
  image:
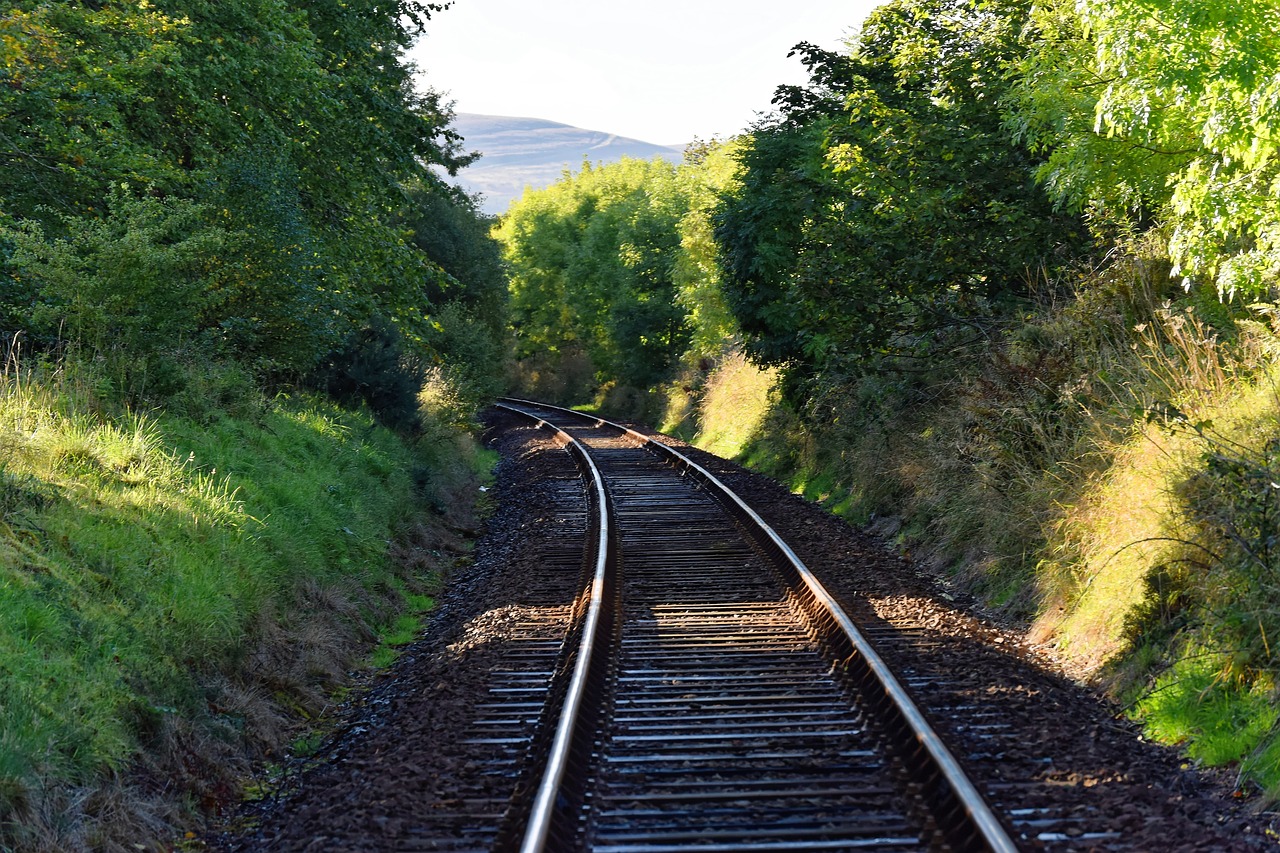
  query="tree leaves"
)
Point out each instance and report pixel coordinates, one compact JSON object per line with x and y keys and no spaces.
{"x":1168,"y":108}
{"x":886,"y":211}
{"x":294,"y":128}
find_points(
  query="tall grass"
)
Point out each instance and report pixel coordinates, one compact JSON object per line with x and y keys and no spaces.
{"x":1104,"y":472}
{"x":734,"y":403}
{"x":170,"y":583}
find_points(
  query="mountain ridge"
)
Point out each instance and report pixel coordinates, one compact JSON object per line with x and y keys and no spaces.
{"x":523,"y":151}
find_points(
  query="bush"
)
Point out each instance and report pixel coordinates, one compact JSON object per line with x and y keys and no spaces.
{"x":136,"y":279}
{"x":373,"y":368}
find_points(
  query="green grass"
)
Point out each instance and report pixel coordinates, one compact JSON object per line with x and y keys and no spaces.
{"x":737,"y":399}
{"x":157,"y":570}
{"x":402,"y":630}
{"x":1219,"y":722}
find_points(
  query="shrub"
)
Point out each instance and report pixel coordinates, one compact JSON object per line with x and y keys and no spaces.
{"x":372,"y":368}
{"x":136,"y":279}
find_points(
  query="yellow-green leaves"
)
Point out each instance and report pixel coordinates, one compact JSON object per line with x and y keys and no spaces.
{"x":1167,"y":108}
{"x":592,"y":261}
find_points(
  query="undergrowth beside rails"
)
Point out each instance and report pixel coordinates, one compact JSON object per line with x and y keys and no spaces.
{"x":1104,"y":472}
{"x":182,"y":589}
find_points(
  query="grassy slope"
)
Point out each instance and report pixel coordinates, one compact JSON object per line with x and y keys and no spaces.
{"x":1039,"y":478}
{"x":177,"y":587}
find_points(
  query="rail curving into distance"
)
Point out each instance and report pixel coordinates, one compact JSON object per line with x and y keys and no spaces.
{"x":955,"y":809}
{"x":543,"y":821}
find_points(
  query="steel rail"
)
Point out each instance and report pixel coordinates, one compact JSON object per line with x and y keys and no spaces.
{"x":544,"y":812}
{"x":975,"y":826}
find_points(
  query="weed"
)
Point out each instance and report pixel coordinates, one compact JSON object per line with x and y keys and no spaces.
{"x":306,"y":745}
{"x":737,"y":398}
{"x":1218,"y":722}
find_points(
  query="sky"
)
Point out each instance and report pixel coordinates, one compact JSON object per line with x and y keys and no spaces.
{"x":662,"y":71}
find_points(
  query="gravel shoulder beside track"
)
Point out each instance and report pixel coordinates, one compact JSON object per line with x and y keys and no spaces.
{"x":1056,"y":746}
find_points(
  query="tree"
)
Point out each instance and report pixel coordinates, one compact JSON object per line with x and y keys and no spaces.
{"x":76,"y":99}
{"x":885,"y":210}
{"x":710,"y":169}
{"x":1182,"y":98}
{"x":592,"y":260}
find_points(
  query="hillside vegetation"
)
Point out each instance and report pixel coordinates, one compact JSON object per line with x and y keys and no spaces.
{"x":244,"y":327}
{"x":182,"y":589}
{"x":1000,"y":281}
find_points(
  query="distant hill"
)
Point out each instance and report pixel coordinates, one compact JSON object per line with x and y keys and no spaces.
{"x":520,"y":152}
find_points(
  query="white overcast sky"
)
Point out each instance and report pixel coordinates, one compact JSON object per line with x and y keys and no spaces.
{"x":663,"y":71}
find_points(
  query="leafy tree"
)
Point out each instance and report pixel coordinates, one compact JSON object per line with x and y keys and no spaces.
{"x":885,"y":210}
{"x":592,"y":260}
{"x":1119,"y":180}
{"x":469,"y":324}
{"x":709,"y":170}
{"x":77,"y":83}
{"x":1180,"y":97}
{"x":450,"y":229}
{"x":276,"y":303}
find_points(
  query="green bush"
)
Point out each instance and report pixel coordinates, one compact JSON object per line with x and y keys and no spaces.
{"x":373,"y":367}
{"x":135,"y":280}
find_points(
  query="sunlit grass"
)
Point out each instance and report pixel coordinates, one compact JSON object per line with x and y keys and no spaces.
{"x":1216,"y":721}
{"x":142,"y":556}
{"x":735,"y":402}
{"x":1118,"y":530}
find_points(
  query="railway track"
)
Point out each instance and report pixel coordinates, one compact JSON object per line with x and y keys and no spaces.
{"x":712,"y":696}
{"x":721,"y":707}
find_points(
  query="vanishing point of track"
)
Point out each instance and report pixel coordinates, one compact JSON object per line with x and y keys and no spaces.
{"x":712,"y":696}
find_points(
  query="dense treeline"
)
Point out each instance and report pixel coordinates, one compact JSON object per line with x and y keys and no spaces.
{"x":246,"y":180}
{"x":1016,"y":266}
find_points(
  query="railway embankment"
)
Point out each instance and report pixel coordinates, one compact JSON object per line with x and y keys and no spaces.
{"x":185,"y":592}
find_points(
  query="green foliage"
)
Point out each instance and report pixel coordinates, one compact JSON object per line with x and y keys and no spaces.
{"x":591,"y":261}
{"x":373,"y":368}
{"x":1216,"y":721}
{"x":450,"y":230}
{"x":250,"y":156}
{"x":885,"y":210}
{"x":1051,"y":105}
{"x":471,"y":355}
{"x":468,"y":332}
{"x":160,"y":573}
{"x":1232,"y":501}
{"x":1168,"y":106}
{"x":276,"y":306}
{"x":78,"y":84}
{"x":136,"y":278}
{"x":615,"y":274}
{"x":710,"y":170}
